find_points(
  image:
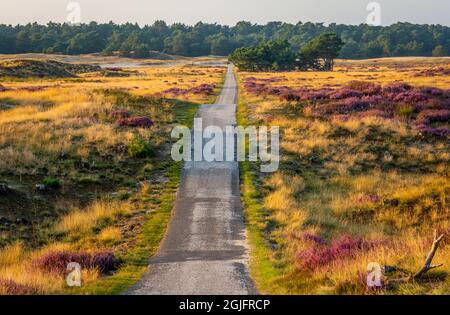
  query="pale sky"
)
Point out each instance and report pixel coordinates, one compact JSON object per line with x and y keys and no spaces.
{"x":226,"y":11}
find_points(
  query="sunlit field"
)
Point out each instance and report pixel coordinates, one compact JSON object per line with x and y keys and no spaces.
{"x":85,"y":169}
{"x":364,"y":177}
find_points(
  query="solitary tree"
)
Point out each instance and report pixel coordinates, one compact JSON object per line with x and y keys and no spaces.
{"x":325,"y":47}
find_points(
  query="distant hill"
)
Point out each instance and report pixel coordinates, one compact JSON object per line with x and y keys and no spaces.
{"x":23,"y":68}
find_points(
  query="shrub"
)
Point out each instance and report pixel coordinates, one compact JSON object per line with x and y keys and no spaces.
{"x":314,"y":238}
{"x":342,"y":248}
{"x":56,"y":262}
{"x":397,"y":88}
{"x":10,"y":287}
{"x":367,"y":88}
{"x":143,"y":122}
{"x":140,"y":148}
{"x":345,"y":93}
{"x":410,"y":97}
{"x":433,"y":91}
{"x":51,"y":183}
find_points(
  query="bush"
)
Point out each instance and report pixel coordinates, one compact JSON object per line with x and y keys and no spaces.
{"x":52,"y":183}
{"x":345,"y":247}
{"x":143,"y":122}
{"x":56,"y":262}
{"x":140,"y":148}
{"x":11,"y":287}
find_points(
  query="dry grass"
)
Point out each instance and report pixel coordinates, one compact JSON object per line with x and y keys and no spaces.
{"x":63,"y":129}
{"x":368,"y":177}
{"x":83,"y":220}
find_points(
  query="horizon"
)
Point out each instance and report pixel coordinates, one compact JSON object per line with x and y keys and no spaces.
{"x":352,"y":12}
{"x":217,"y":23}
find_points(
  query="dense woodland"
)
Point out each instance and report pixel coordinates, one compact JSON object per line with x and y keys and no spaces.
{"x":361,"y":41}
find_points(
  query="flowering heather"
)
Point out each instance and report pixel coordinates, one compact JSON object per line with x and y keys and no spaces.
{"x":397,"y":88}
{"x":314,"y":238}
{"x":429,"y":116}
{"x":205,"y":89}
{"x":410,"y":97}
{"x":345,"y":93}
{"x":56,"y":262}
{"x":366,"y":88}
{"x":345,"y":247}
{"x":11,"y":287}
{"x":143,"y":122}
{"x":432,"y":91}
{"x":119,"y":114}
{"x":346,"y":106}
{"x":439,"y":131}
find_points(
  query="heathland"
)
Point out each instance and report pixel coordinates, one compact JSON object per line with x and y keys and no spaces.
{"x":364,"y":177}
{"x":85,"y":167}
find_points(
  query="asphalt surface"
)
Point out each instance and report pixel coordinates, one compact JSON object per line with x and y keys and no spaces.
{"x":205,"y":248}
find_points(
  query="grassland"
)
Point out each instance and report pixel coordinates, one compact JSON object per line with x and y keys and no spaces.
{"x":364,"y":176}
{"x":85,"y":169}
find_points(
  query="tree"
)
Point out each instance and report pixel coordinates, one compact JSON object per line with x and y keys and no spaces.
{"x":272,"y":55}
{"x":439,"y":51}
{"x":326,"y":47}
{"x":361,"y":41}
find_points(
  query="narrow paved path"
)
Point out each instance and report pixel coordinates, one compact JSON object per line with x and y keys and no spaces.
{"x":205,"y":249}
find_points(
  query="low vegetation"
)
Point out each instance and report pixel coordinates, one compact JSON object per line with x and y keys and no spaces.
{"x":363,"y":177}
{"x":86,"y":174}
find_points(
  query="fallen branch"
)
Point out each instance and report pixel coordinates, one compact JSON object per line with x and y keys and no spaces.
{"x":428,"y":262}
{"x":428,"y":266}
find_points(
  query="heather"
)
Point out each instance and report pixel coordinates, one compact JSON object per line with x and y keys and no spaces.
{"x":369,"y":143}
{"x":421,"y":105}
{"x":56,"y":262}
{"x":85,"y":169}
{"x":345,"y":247}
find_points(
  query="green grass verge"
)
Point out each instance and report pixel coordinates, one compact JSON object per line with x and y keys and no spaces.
{"x":136,"y":261}
{"x":263,"y":271}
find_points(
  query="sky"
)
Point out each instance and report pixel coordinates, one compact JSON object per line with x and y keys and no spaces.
{"x":226,"y":12}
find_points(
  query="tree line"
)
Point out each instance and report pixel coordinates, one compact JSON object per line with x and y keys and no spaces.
{"x":360,"y":41}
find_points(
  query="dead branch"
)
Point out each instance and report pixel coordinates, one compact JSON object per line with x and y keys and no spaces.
{"x":428,"y":266}
{"x":428,"y":262}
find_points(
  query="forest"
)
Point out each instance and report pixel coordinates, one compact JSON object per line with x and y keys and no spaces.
{"x":360,"y":41}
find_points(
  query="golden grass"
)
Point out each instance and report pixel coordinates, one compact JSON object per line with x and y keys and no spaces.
{"x":83,"y":220}
{"x":62,"y":128}
{"x":110,"y":234}
{"x":394,"y":188}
